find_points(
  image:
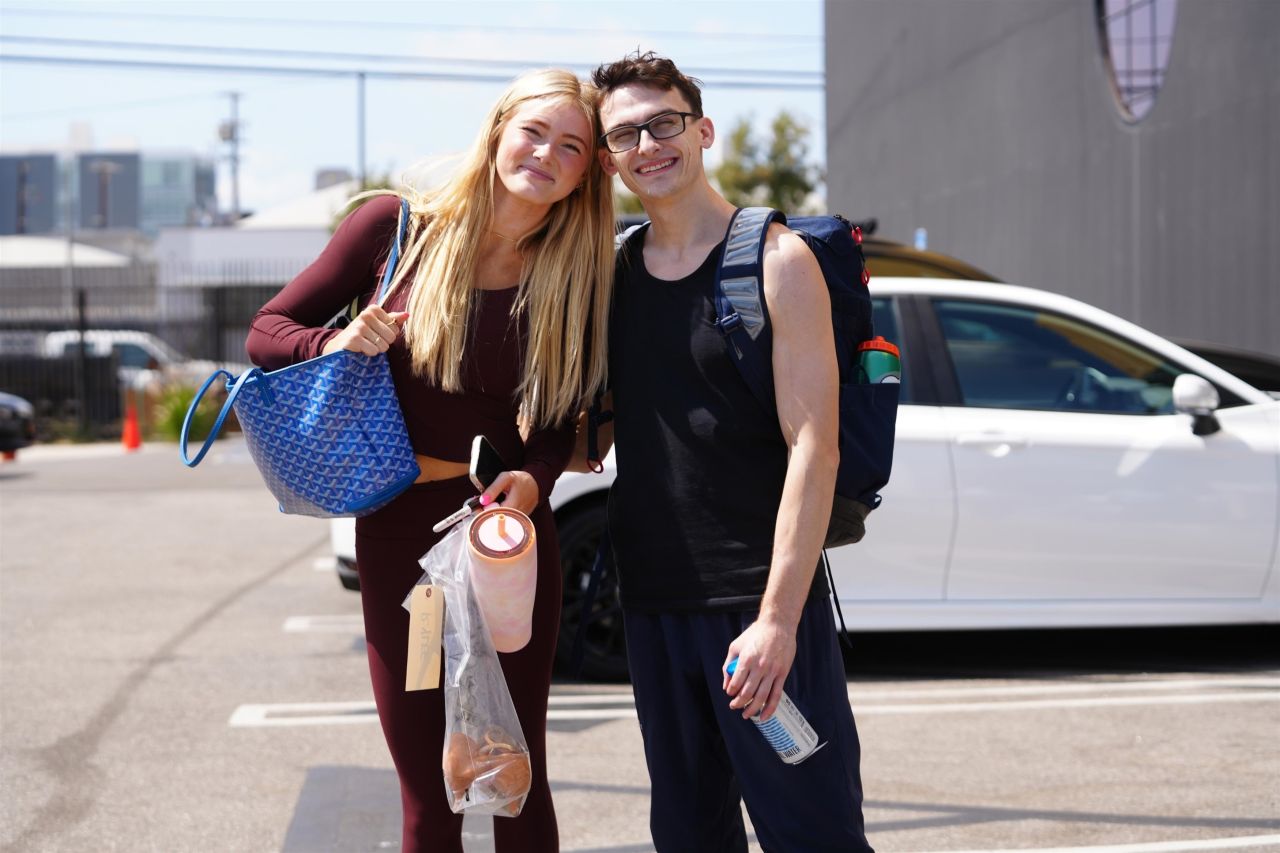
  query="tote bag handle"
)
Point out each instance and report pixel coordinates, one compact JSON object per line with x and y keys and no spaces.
{"x":222,"y":415}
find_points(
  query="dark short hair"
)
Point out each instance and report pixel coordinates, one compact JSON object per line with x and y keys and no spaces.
{"x":648,"y":69}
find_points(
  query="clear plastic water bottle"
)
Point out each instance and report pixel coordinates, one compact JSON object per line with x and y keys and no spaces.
{"x":787,"y":731}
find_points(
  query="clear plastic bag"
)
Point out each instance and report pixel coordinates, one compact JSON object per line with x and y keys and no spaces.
{"x":486,"y":757}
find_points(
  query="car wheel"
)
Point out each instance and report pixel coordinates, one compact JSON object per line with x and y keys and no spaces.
{"x":347,"y":575}
{"x":604,"y":655}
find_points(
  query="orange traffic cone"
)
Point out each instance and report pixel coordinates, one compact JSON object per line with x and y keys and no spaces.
{"x":131,"y":436}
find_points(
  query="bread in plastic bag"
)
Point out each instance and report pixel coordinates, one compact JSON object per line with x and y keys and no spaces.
{"x":485,"y":763}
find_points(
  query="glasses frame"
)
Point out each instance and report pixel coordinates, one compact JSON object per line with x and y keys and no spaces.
{"x":640,"y":129}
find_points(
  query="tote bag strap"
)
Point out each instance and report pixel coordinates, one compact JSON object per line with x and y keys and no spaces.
{"x":222,"y":415}
{"x":394,"y":258}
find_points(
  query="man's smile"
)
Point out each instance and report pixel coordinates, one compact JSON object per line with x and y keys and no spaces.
{"x":656,"y":167}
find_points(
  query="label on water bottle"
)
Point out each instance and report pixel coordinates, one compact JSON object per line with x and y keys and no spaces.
{"x":788,"y":732}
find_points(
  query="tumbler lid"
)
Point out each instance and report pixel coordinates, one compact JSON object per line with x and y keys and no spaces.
{"x":501,"y":532}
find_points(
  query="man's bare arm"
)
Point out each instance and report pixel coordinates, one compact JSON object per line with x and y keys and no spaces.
{"x":806,"y":387}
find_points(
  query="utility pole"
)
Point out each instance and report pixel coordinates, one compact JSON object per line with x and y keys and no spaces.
{"x":360,"y":165}
{"x":24,"y":172}
{"x":69,"y":271}
{"x":229,"y":132}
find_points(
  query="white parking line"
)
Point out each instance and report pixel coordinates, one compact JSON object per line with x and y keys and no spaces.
{"x":336,"y":623}
{"x":303,"y":714}
{"x":326,"y":713}
{"x":861,"y":697}
{"x":591,"y":699}
{"x":1231,"y":843}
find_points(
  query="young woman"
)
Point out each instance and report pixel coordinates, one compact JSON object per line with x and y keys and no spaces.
{"x":496,"y":322}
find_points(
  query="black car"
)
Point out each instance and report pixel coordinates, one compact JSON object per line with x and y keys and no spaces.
{"x":17,"y":423}
{"x":1260,"y":370}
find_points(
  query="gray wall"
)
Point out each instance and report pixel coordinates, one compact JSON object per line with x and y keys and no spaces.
{"x":992,"y":124}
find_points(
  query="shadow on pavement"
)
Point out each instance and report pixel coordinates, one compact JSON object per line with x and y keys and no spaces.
{"x":1009,"y":654}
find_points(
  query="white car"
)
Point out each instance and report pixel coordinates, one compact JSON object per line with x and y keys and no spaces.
{"x":141,"y":357}
{"x":1055,"y":466}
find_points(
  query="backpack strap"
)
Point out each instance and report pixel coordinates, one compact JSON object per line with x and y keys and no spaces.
{"x":740,"y":303}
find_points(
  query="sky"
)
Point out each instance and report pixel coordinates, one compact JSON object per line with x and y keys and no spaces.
{"x":292,"y":126}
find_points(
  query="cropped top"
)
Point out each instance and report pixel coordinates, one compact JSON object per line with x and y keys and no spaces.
{"x":288,"y":329}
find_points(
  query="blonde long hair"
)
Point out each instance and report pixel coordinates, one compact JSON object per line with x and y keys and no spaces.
{"x":567,"y":278}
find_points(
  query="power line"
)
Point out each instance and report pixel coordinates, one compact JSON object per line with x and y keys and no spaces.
{"x":125,"y":105}
{"x":407,"y":25}
{"x":515,"y":64}
{"x":300,"y":71}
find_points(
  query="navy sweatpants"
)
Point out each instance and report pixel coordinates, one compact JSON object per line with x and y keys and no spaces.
{"x":704,"y":758}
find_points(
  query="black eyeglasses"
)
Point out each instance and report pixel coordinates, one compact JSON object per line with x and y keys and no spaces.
{"x":663,"y":126}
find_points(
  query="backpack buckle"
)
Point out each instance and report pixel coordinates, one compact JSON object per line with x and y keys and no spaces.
{"x":729,"y":323}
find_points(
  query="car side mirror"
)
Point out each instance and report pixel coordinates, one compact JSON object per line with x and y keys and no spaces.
{"x":1194,"y":395}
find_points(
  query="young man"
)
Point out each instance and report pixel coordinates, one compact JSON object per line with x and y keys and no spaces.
{"x":720,"y":506}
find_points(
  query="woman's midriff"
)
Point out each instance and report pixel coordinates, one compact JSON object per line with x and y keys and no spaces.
{"x":432,"y":468}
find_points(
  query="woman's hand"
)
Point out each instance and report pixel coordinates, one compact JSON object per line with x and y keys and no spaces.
{"x":521,"y":489}
{"x":371,"y":332}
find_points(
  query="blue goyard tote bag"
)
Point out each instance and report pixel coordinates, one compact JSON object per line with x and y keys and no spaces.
{"x":326,"y":434}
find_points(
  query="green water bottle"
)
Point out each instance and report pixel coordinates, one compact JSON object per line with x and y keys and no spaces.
{"x":878,"y":362}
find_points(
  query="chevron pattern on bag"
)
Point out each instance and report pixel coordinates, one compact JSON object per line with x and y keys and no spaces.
{"x":328,"y":435}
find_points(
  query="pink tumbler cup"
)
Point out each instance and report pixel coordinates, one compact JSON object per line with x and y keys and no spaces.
{"x":504,"y":573}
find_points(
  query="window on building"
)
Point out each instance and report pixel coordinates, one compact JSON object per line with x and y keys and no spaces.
{"x":1136,"y":36}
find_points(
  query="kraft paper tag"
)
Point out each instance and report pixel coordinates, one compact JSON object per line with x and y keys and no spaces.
{"x":426,"y":616}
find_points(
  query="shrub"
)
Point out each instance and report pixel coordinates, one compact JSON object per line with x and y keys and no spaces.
{"x":171,"y":410}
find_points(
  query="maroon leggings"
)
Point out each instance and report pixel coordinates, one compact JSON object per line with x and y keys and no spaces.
{"x":389,"y":544}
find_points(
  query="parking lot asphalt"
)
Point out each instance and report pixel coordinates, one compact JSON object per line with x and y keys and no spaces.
{"x":182,"y":671}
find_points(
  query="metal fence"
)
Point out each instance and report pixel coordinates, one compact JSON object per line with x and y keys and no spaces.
{"x":203,"y":317}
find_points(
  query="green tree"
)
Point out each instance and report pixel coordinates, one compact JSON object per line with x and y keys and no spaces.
{"x":778,"y":175}
{"x":624,"y":200}
{"x":375,"y":181}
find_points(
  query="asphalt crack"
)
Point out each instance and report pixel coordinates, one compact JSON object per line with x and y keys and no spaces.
{"x":69,"y":760}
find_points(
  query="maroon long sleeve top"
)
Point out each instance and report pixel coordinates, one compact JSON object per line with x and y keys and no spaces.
{"x":441,"y":424}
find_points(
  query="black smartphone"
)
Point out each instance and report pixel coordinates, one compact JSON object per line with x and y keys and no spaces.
{"x":486,"y":464}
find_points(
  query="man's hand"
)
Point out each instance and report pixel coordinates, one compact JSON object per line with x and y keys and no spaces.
{"x":765,"y":652}
{"x":372,"y":332}
{"x":520,"y":487}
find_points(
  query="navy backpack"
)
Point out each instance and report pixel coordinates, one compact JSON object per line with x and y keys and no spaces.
{"x":868,"y":412}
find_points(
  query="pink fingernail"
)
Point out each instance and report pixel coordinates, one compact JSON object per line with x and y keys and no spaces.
{"x":485,"y":500}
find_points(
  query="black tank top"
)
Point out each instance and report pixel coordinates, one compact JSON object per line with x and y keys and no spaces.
{"x":701,"y":463}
